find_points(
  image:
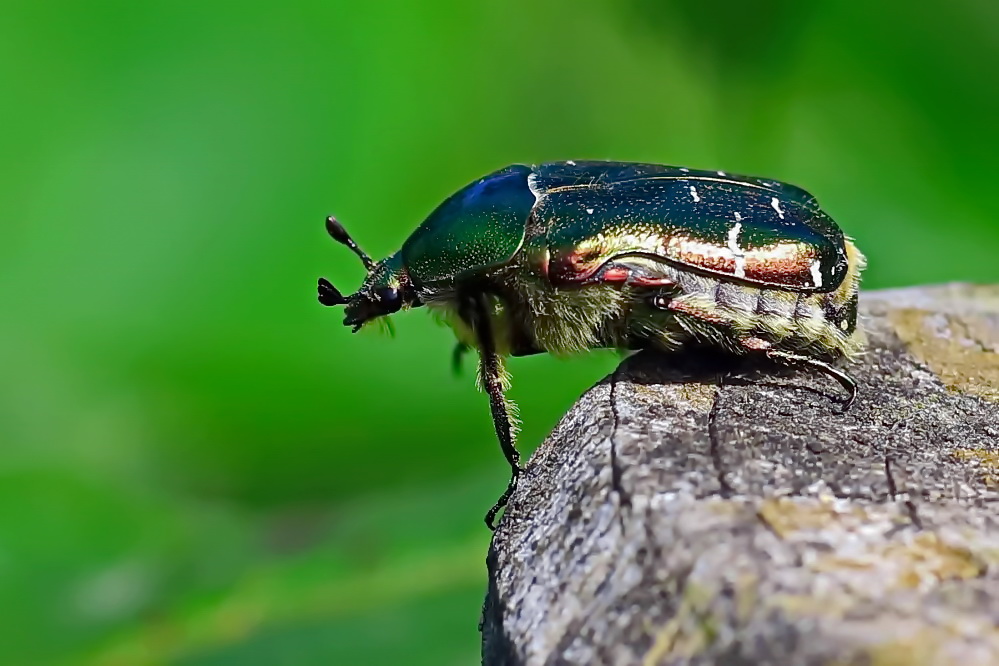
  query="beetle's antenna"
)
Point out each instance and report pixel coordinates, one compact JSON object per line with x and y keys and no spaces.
{"x":340,"y":235}
{"x":329,"y":295}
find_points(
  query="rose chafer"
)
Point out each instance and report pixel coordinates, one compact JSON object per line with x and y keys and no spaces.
{"x":568,"y":256}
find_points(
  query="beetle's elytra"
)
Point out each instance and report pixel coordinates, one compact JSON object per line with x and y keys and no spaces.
{"x":568,"y":256}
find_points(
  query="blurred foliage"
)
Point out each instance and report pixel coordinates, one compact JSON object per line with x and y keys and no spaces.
{"x":199,"y":465}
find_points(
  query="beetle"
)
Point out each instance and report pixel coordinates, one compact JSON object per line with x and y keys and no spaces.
{"x":566,"y":256}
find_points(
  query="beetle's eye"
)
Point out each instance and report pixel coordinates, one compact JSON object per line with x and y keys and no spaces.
{"x":389,"y":298}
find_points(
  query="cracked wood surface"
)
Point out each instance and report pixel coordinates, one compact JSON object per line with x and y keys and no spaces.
{"x":686,"y":511}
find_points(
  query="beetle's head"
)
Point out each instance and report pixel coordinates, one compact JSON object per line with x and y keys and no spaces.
{"x":385,"y":290}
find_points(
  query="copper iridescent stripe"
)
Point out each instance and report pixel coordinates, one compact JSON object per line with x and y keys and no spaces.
{"x":780,"y":263}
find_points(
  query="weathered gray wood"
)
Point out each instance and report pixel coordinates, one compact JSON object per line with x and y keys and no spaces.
{"x":683,"y":512}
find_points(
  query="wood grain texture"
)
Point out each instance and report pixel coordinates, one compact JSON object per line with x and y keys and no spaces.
{"x":688,"y":511}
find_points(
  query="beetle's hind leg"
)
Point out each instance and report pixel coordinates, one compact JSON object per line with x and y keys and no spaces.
{"x":475,"y":310}
{"x":845,"y":380}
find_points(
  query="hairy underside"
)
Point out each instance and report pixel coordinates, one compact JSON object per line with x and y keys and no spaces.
{"x":699,"y":309}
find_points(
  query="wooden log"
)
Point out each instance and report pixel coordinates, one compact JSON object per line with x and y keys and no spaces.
{"x":687,"y":511}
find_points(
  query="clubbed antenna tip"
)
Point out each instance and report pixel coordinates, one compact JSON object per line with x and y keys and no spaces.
{"x":329,"y":295}
{"x":340,"y":235}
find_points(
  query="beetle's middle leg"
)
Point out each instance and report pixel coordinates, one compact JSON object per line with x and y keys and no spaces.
{"x":460,"y":349}
{"x":475,"y":310}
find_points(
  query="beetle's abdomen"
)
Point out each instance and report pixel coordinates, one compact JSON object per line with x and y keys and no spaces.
{"x":701,"y":308}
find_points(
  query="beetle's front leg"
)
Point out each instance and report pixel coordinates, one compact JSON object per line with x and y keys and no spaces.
{"x":474,"y":309}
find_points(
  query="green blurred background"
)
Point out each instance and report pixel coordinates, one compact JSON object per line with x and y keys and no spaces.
{"x":198,"y":464}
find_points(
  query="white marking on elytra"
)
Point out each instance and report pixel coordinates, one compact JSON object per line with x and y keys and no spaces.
{"x":736,"y":249}
{"x":570,"y":163}
{"x":589,"y":211}
{"x":693,"y":193}
{"x":733,"y":238}
{"x":684,"y":169}
{"x":775,"y":204}
{"x":844,"y":324}
{"x":738,"y":216}
{"x":817,"y":272}
{"x":532,"y":185}
{"x":721,"y":173}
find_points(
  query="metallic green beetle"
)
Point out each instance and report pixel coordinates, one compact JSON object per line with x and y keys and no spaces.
{"x":568,"y":256}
